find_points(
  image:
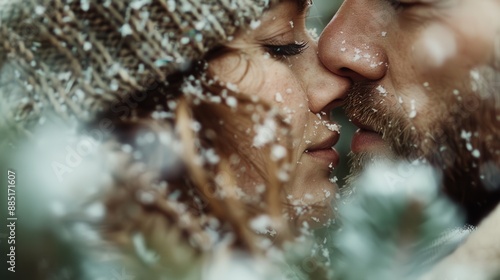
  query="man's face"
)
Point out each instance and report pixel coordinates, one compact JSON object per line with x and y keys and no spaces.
{"x":425,"y":79}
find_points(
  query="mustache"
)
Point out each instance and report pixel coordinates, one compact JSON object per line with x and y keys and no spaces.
{"x":372,"y":105}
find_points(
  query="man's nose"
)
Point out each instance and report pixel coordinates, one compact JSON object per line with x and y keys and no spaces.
{"x":349,"y":45}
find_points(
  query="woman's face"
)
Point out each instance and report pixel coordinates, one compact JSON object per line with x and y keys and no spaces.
{"x":277,"y":62}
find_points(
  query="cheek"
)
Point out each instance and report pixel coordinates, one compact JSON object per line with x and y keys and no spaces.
{"x":442,"y":61}
{"x":477,"y":26}
{"x":282,"y":88}
{"x":283,"y":91}
{"x":228,"y":68}
{"x":449,"y":50}
{"x":271,"y":82}
{"x":434,"y":47}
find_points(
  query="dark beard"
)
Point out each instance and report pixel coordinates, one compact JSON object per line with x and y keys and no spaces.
{"x":463,"y":142}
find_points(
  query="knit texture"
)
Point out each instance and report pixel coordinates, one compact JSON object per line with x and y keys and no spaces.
{"x":77,"y":57}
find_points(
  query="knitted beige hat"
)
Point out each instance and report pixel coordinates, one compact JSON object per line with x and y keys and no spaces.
{"x":76,"y":57}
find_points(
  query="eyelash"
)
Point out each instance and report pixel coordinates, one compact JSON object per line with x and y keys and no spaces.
{"x":288,"y":50}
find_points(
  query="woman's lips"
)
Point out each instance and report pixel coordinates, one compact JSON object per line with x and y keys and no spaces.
{"x":366,"y":140}
{"x":324,"y":152}
{"x":325,"y":156}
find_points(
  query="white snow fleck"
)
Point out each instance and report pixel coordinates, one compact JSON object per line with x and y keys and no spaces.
{"x":85,"y":5}
{"x":278,"y":152}
{"x":64,"y":76}
{"x":114,"y":85}
{"x":171,"y":5}
{"x":172,"y":104}
{"x":313,"y":32}
{"x":333,"y":127}
{"x":58,"y":31}
{"x":265,"y":133}
{"x":146,"y":255}
{"x":466,"y":135}
{"x":283,"y":176}
{"x":200,"y":25}
{"x":254,"y":24}
{"x":291,"y":23}
{"x":327,"y":193}
{"x":357,"y":55}
{"x":468,"y":146}
{"x":211,"y":156}
{"x":95,"y":211}
{"x":137,"y":4}
{"x":215,"y":99}
{"x":126,"y":30}
{"x":384,"y":33}
{"x":381,"y":89}
{"x":195,"y":126}
{"x":232,"y":87}
{"x":87,"y":46}
{"x":260,"y":224}
{"x":231,"y":101}
{"x":413,"y":112}
{"x":476,"y":153}
{"x":278,"y":97}
{"x":260,"y":188}
{"x":475,"y":75}
{"x":39,"y":10}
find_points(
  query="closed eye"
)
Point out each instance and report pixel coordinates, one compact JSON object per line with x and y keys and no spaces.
{"x":284,"y":51}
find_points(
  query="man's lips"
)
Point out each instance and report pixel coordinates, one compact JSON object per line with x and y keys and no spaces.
{"x":324,"y":151}
{"x":365,"y":138}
